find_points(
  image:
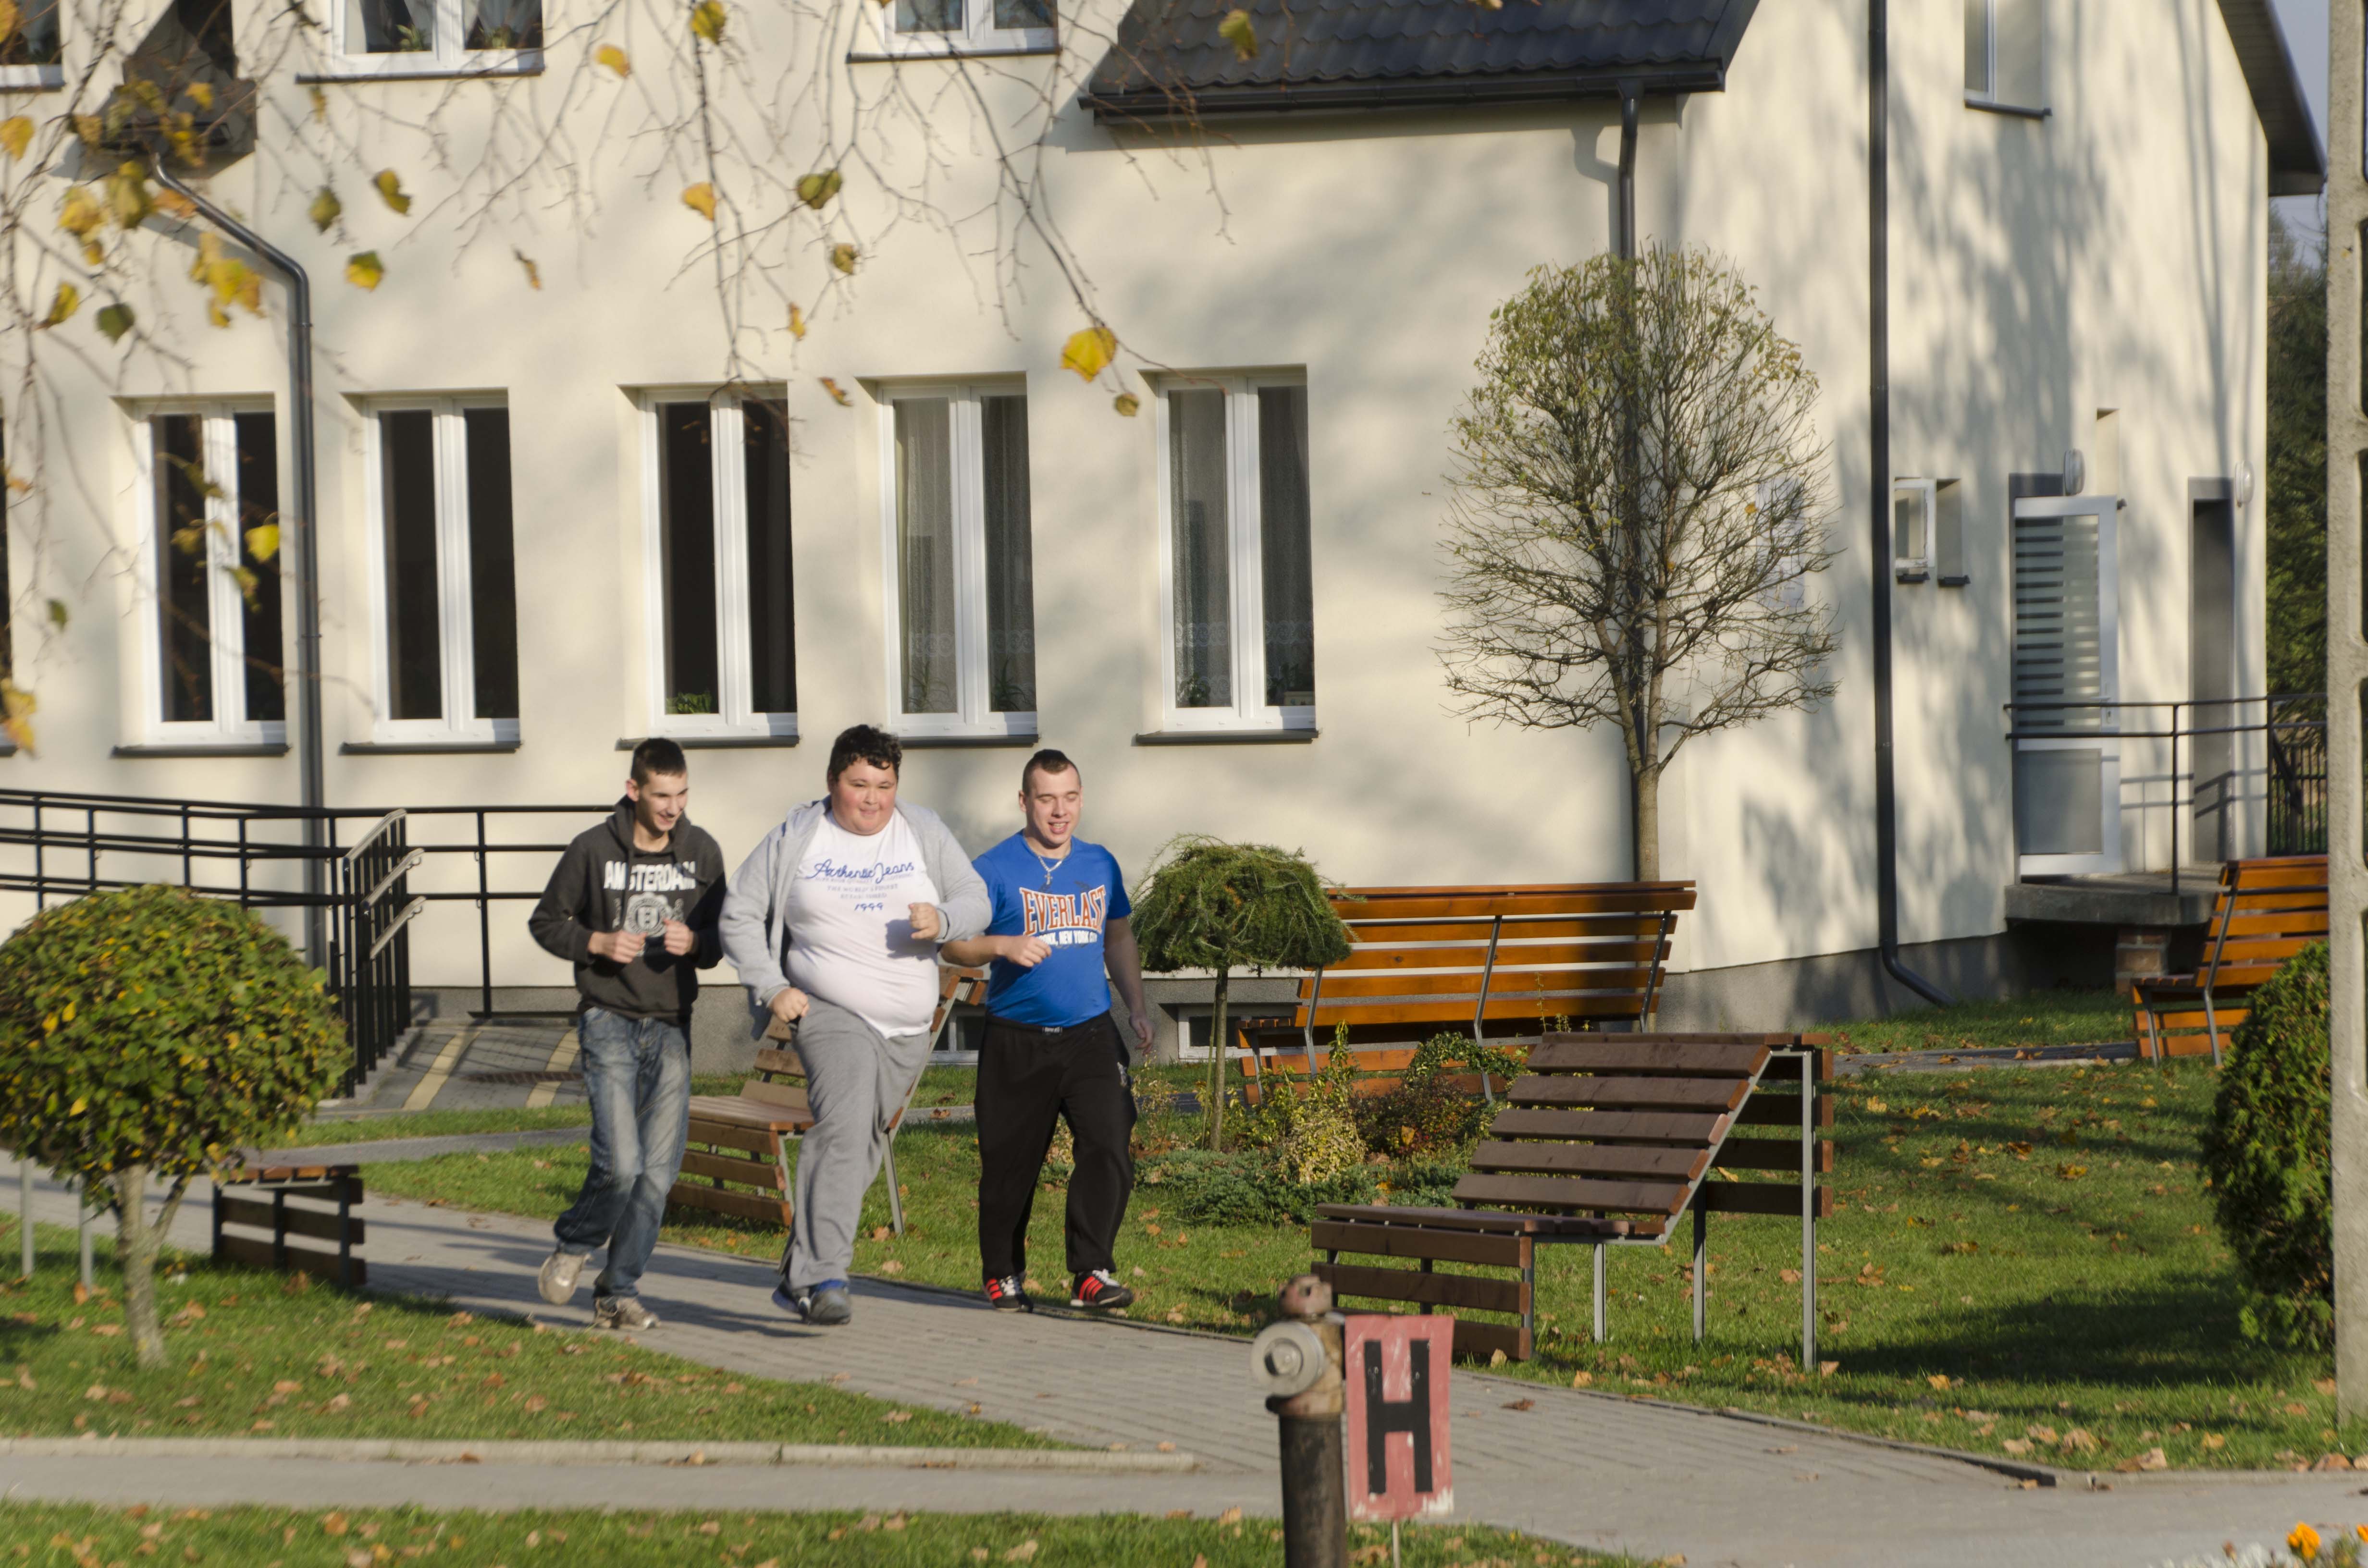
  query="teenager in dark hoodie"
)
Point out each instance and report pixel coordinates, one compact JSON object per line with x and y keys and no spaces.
{"x":633,"y":906}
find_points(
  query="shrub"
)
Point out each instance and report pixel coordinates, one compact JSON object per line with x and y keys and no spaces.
{"x":2266,"y":1151}
{"x":152,"y":1031}
{"x":1427,"y":1115}
{"x":1199,"y":1188}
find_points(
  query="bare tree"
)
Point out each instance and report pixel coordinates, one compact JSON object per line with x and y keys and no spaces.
{"x":1638,"y":496}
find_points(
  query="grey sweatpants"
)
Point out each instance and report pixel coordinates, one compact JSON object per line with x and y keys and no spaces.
{"x":857,"y":1080}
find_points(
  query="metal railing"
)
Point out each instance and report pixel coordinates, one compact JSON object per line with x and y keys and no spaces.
{"x":57,"y":846}
{"x":2294,"y":724}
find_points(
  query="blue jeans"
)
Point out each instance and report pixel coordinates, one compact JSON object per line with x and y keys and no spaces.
{"x":637,"y":1075}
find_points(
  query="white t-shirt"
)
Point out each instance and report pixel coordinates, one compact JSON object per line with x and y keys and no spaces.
{"x":851,"y":939}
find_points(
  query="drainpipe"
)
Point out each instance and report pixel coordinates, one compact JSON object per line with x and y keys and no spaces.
{"x":1878,"y":271}
{"x":1632,"y":99}
{"x":302,"y":519}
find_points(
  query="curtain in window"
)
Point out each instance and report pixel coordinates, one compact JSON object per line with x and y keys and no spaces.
{"x":415,"y":659}
{"x":492,"y":574}
{"x":1010,"y":571}
{"x":258,"y":506}
{"x":391,"y":26}
{"x":503,"y":24}
{"x":925,"y":554}
{"x":687,"y":557}
{"x":184,"y":619}
{"x":928,"y":16}
{"x":772,"y":650}
{"x":1198,"y":520}
{"x":1286,"y":575}
{"x":1023,"y":14}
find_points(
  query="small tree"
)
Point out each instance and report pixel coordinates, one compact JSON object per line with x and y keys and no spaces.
{"x":1213,"y":905}
{"x":1637,"y":492}
{"x":153,"y":1031}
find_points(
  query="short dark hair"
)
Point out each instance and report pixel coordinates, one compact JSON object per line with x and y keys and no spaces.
{"x":865,"y":743}
{"x":658,"y":755}
{"x":1048,"y":761}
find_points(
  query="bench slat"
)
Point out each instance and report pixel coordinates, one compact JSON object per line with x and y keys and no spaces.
{"x":766,"y":1092}
{"x":1772,"y":1154}
{"x":312,"y":1260}
{"x":1474,"y":928}
{"x":1618,"y":1053}
{"x":1573,"y":1192}
{"x":1608,"y":1127}
{"x":771,"y":1060}
{"x":1630,"y":1092}
{"x":1505,"y":981}
{"x":1593,"y":1159}
{"x":1512,"y":957}
{"x":730,"y":1200}
{"x":1620,"y":900}
{"x":1464,"y":1290}
{"x":727,"y":1167}
{"x":1783,"y":1110}
{"x":1480,"y":1341}
{"x":1531,"y":1008}
{"x":1492,"y":1222}
{"x":730,"y":1111}
{"x":237,"y":1210}
{"x":1418,"y":1240}
{"x":1781,"y":1199}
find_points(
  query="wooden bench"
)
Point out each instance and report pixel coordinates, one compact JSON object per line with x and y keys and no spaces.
{"x":1377,"y":1072}
{"x":741,"y":1141}
{"x":252,"y":1198}
{"x":2268,"y":911}
{"x":1604,"y":1141}
{"x":1497,"y":964}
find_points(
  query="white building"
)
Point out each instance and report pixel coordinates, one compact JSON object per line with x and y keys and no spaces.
{"x":543,"y":533}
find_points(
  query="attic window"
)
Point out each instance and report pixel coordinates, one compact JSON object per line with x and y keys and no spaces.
{"x":2003,"y":54}
{"x":31,"y":55}
{"x":966,"y":27}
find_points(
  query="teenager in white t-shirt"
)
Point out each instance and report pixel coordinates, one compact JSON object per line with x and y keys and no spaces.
{"x":834,"y":923}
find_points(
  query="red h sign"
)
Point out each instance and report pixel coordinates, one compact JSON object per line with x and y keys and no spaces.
{"x":1398,"y":1447}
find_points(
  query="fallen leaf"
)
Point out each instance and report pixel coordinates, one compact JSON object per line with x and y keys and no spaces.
{"x":2017,"y":1445}
{"x":701,"y":199}
{"x":1521,"y":1404}
{"x":1024,"y":1552}
{"x":1230,"y":1517}
{"x":1089,"y":350}
{"x":1580,"y":1380}
{"x":610,"y":55}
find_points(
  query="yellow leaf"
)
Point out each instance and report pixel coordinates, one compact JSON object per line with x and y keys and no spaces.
{"x":1236,"y":31}
{"x":201,"y":95}
{"x":707,"y":20}
{"x":1127,"y":403}
{"x":9,"y":18}
{"x":68,"y":300}
{"x":81,"y":1104}
{"x":836,"y":396}
{"x":320,"y":103}
{"x":175,"y":203}
{"x":127,"y":196}
{"x":115,"y":321}
{"x":797,"y":321}
{"x":15,"y":134}
{"x":17,"y":715}
{"x":79,"y":214}
{"x":701,"y":199}
{"x":263,"y":540}
{"x":1088,"y":351}
{"x":389,"y":185}
{"x":364,"y":270}
{"x":816,"y":190}
{"x":533,"y":273}
{"x":843,"y":257}
{"x":608,"y":54}
{"x":90,"y":128}
{"x":325,"y":210}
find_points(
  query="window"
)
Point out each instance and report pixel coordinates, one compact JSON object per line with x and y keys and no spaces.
{"x":966,"y":26}
{"x":31,"y":53}
{"x":442,"y":575}
{"x":962,"y":600}
{"x":716,"y":491}
{"x":1948,"y":534}
{"x":1237,"y":597}
{"x":1928,"y":531}
{"x":213,"y":633}
{"x":435,"y":38}
{"x":2003,"y":54}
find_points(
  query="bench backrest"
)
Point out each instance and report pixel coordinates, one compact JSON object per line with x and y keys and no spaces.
{"x":782,"y":1077}
{"x":1589,"y":954}
{"x":2268,"y":911}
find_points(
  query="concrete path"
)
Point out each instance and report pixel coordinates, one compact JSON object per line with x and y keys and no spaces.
{"x":1587,"y":1468}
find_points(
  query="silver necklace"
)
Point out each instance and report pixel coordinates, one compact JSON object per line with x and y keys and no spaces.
{"x":1049,"y":866}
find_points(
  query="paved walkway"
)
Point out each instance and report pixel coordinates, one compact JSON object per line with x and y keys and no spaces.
{"x":1587,"y":1468}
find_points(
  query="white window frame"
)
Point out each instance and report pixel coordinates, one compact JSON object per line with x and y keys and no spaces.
{"x":225,"y":607}
{"x":42,"y":78}
{"x":447,"y":59}
{"x":1914,"y":567}
{"x":727,"y":436}
{"x":1246,"y":568}
{"x":979,"y":34}
{"x":975,"y":717}
{"x":1989,"y":98}
{"x":455,"y":622}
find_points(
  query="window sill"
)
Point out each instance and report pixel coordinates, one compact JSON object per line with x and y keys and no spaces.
{"x":712,"y":742}
{"x":425,"y":748}
{"x":949,"y":743}
{"x":422,"y":74}
{"x":1224,"y":737}
{"x":878,"y":57}
{"x":2013,"y":111}
{"x":1948,"y":580}
{"x":32,"y":78}
{"x":203,"y":748}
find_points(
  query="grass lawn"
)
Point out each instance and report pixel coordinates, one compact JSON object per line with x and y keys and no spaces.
{"x":2043,"y":1017}
{"x":433,"y":1124}
{"x":2019,"y":1256}
{"x":282,"y":1538}
{"x":258,"y":1353}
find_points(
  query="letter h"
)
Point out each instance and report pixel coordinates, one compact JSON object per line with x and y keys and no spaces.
{"x":1410,"y":1415}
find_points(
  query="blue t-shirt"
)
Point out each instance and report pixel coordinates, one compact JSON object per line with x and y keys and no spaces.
{"x":1064,"y":905}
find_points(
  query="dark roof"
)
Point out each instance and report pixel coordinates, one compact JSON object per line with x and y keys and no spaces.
{"x":2298,"y":159}
{"x":1170,"y":61}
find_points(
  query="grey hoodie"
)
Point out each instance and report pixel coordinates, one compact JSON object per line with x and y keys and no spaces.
{"x":603,"y":883}
{"x":756,"y":924}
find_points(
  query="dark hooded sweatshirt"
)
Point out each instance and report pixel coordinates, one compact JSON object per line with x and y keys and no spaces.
{"x":603,"y":883}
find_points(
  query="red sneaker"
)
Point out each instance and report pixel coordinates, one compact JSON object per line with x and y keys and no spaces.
{"x":1100,"y":1288}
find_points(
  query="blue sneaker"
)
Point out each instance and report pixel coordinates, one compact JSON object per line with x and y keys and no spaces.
{"x":825,"y":1304}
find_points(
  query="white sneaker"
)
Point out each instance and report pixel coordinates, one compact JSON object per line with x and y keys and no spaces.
{"x":621,"y":1312}
{"x":560,"y":1272}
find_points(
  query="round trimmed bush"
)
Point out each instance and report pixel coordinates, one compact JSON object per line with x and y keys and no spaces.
{"x":153,"y":1031}
{"x":2266,"y":1151}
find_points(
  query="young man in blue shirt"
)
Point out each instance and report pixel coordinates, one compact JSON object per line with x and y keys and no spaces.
{"x":1052,"y":1049}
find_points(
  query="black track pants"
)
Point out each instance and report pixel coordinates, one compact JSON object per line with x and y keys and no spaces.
{"x":1028,"y":1077}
